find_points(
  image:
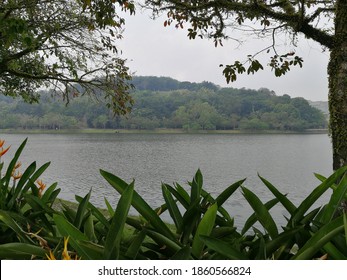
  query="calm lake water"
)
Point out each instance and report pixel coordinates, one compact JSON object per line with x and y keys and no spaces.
{"x":287,"y":161}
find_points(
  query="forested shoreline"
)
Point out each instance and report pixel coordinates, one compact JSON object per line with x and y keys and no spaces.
{"x":165,"y":103}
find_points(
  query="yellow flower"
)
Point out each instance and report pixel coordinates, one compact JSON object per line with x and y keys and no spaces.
{"x":65,"y":254}
{"x":51,"y":256}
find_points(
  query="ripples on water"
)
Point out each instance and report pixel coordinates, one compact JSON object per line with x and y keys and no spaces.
{"x":287,"y":161}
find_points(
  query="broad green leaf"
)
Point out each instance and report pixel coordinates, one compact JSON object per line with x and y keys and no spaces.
{"x":172,"y":207}
{"x":6,"y":218}
{"x":68,"y":229}
{"x":324,"y":235}
{"x":96,"y":212}
{"x":82,"y":207}
{"x":182,"y":254}
{"x":223,"y":248}
{"x":316,"y":194}
{"x":224,"y":196}
{"x":109,"y":207}
{"x":139,"y":204}
{"x":115,"y":233}
{"x":204,"y":228}
{"x":163,"y":241}
{"x":135,"y":245}
{"x":286,"y":238}
{"x":290,"y":207}
{"x":181,"y":195}
{"x":196,"y":186}
{"x":335,"y":200}
{"x":21,"y":251}
{"x":254,"y":218}
{"x":261,"y":212}
{"x":89,"y":230}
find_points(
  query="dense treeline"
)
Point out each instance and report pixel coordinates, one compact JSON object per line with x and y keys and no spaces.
{"x":167,"y":103}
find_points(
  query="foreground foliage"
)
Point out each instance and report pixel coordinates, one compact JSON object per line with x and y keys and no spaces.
{"x":31,"y":227}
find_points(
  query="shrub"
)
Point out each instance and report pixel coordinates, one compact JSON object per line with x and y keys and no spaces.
{"x":31,"y":227}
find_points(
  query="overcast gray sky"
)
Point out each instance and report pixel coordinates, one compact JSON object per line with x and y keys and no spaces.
{"x":153,"y":50}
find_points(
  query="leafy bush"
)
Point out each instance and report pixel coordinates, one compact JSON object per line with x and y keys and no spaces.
{"x":32,"y":227}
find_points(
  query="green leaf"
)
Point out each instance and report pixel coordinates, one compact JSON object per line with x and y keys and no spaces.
{"x":68,"y":229}
{"x":21,"y":251}
{"x":324,"y":235}
{"x":115,"y":233}
{"x":223,"y":248}
{"x":172,"y":207}
{"x":135,"y":245}
{"x":16,"y":191}
{"x":335,"y":200}
{"x":182,"y":254}
{"x":13,"y":163}
{"x":6,"y":218}
{"x":254,"y":218}
{"x":290,"y":207}
{"x":196,"y":186}
{"x":204,"y":228}
{"x":82,"y":207}
{"x":316,"y":194}
{"x":139,"y":204}
{"x":224,"y":196}
{"x":261,"y":212}
{"x":109,"y":207}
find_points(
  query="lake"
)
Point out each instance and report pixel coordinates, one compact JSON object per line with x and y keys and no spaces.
{"x":288,"y":161}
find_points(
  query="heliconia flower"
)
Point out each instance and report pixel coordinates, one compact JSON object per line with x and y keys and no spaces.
{"x":18,"y":164}
{"x":65,"y":254}
{"x":42,"y":186}
{"x":4,"y":151}
{"x":51,"y":256}
{"x":16,"y":175}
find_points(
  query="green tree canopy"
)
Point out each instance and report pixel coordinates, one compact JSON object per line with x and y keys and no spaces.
{"x":66,"y":45}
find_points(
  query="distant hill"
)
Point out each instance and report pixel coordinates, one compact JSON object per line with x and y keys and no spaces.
{"x":153,"y":83}
{"x":162,"y":102}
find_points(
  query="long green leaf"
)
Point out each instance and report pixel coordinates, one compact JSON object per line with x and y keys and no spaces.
{"x":18,"y":188}
{"x":290,"y":207}
{"x":254,"y":218}
{"x":224,"y":196}
{"x":335,"y":200}
{"x":139,"y":204}
{"x":196,"y":186}
{"x":96,"y":212}
{"x":316,"y":194}
{"x":82,"y":207}
{"x":135,"y":245}
{"x":182,"y":254}
{"x":261,"y":212}
{"x":68,"y":229}
{"x":204,"y":228}
{"x":21,"y":251}
{"x":115,"y":233}
{"x":172,"y":207}
{"x":6,"y":218}
{"x":223,"y":248}
{"x":324,"y":235}
{"x":13,"y":162}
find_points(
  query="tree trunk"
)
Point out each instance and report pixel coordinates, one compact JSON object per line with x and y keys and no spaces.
{"x":337,"y":71}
